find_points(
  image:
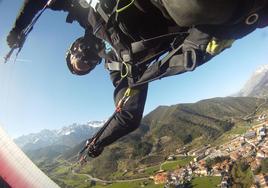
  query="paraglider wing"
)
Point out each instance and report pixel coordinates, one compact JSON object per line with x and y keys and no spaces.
{"x":17,"y":170}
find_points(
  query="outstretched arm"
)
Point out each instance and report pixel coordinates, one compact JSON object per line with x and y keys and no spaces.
{"x":26,"y":14}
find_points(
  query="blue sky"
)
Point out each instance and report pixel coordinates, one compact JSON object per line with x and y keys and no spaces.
{"x":41,"y":93}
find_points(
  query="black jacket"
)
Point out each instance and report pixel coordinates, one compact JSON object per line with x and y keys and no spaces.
{"x":31,"y":7}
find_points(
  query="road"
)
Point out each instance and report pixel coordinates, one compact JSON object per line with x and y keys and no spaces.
{"x":92,"y":178}
{"x":106,"y":181}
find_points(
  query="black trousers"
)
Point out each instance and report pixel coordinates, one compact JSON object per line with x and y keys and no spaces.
{"x":129,"y":118}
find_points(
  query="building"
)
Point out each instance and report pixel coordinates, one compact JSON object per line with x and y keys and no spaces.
{"x":199,"y":157}
{"x":260,"y":138}
{"x":261,"y":133}
{"x":260,"y":154}
{"x":202,"y":162}
{"x":160,"y":178}
{"x":216,"y":171}
{"x":235,"y":156}
{"x":200,"y":151}
{"x":262,"y":117}
{"x":254,"y":165}
{"x":224,"y":182}
{"x":171,"y":158}
{"x":250,"y":134}
{"x":263,"y":180}
{"x":201,"y":171}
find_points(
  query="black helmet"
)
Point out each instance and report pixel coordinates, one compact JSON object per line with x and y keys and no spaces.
{"x":82,"y":57}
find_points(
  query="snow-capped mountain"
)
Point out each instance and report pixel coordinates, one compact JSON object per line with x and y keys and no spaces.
{"x":67,"y":136}
{"x":257,"y":85}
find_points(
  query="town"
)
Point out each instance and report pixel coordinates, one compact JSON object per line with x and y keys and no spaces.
{"x":251,"y":148}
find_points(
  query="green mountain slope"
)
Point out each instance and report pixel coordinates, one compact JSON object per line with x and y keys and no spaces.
{"x":47,"y":153}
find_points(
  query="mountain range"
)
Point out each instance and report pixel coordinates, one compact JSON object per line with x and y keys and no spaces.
{"x":257,"y":85}
{"x":68,"y":136}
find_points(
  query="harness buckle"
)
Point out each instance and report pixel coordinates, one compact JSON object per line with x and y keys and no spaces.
{"x":115,"y":38}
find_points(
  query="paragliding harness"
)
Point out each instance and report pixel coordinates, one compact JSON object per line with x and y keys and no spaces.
{"x":24,"y":34}
{"x":136,"y":57}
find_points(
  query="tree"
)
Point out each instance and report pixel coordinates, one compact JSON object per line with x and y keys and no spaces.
{"x":264,"y":166}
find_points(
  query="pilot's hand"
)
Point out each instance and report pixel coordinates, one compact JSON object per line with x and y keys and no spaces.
{"x":14,"y":38}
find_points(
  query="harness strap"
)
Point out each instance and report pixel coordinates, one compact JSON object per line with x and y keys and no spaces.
{"x":142,"y":45}
{"x":125,"y":70}
{"x":137,"y":72}
{"x":118,"y":10}
{"x":113,"y":66}
{"x":147,"y":77}
{"x":104,"y":16}
{"x":128,"y":93}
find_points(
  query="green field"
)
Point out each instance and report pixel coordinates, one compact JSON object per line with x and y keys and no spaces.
{"x":152,"y":170}
{"x":76,"y":181}
{"x":206,"y":182}
{"x":198,"y":182}
{"x":62,"y":170}
{"x":71,"y":180}
{"x":136,"y":184}
{"x":172,"y":165}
